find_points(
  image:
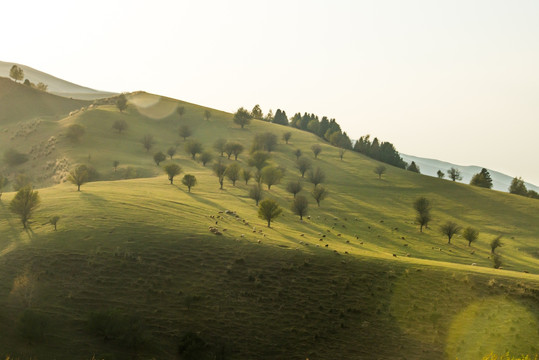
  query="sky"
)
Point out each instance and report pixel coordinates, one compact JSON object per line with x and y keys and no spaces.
{"x":451,"y":80}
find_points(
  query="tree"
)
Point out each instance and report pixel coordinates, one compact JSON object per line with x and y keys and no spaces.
{"x":440,"y":174}
{"x":256,"y":113}
{"x":219,"y":145}
{"x":341,"y":152}
{"x":449,"y":229}
{"x":303,"y":164}
{"x":228,"y":149}
{"x":42,"y":86}
{"x":16,"y":73}
{"x":237,"y":149}
{"x":119,"y":125}
{"x":269,"y":210}
{"x":255,"y":193}
{"x":518,"y":187}
{"x":454,"y":174}
{"x":319,"y":193}
{"x":75,"y":132}
{"x":269,"y":116}
{"x":413,"y":167}
{"x":115,"y":164}
{"x":482,"y":179}
{"x":159,"y":157}
{"x":470,"y":234}
{"x":233,"y":173}
{"x":172,"y":170}
{"x":171,"y":151}
{"x":79,"y":176}
{"x":316,"y":176}
{"x":380,"y":170}
{"x":189,"y":181}
{"x":422,"y":207}
{"x":298,"y":153}
{"x":300,"y":206}
{"x":258,"y":159}
{"x":219,"y":169}
{"x":271,"y":176}
{"x":147,"y":142}
{"x":317,"y":149}
{"x":242,"y":117}
{"x":246,"y":175}
{"x":185,"y":132}
{"x":193,"y":147}
{"x":180,"y":110}
{"x":294,"y":187}
{"x":497,"y":261}
{"x":533,"y":194}
{"x":286,"y":136}
{"x":207,"y":115}
{"x":24,"y":203}
{"x":121,"y":102}
{"x":496,"y":243}
{"x":21,"y":180}
{"x":264,"y":141}
{"x":3,"y":183}
{"x":205,"y":157}
{"x":54,"y":221}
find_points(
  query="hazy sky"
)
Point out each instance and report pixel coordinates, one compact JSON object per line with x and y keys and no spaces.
{"x":452,"y":80}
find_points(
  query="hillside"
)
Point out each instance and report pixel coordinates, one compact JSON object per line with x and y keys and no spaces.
{"x":55,"y":85}
{"x":355,"y":280}
{"x":430,"y":167}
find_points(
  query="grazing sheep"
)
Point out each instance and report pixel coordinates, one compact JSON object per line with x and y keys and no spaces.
{"x":301,"y":234}
{"x":348,"y":241}
{"x":338,"y":234}
{"x":259,"y":241}
{"x":242,"y":235}
{"x":327,"y":245}
{"x":474,"y":264}
{"x":394,"y":255}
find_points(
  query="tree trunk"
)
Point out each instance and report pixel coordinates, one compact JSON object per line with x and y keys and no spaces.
{"x":301,"y":217}
{"x":78,"y":187}
{"x":420,"y":228}
{"x":189,"y":189}
{"x":269,"y":221}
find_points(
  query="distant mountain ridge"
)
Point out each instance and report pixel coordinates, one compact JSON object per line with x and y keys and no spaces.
{"x":430,"y":167}
{"x":55,"y":85}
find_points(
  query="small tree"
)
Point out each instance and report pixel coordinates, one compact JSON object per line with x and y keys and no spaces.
{"x":264,"y":141}
{"x":413,"y":167}
{"x":303,"y":164}
{"x":317,"y":149}
{"x":16,"y":73}
{"x":207,"y":115}
{"x":3,"y":183}
{"x":454,"y":174}
{"x":271,"y":175}
{"x":518,"y":187}
{"x":172,"y":170}
{"x":298,"y":153}
{"x":422,"y":207}
{"x":440,"y":174}
{"x":219,"y":146}
{"x":269,"y":210}
{"x":79,"y":176}
{"x":233,"y":172}
{"x":450,"y":229}
{"x":497,"y":261}
{"x":237,"y":149}
{"x":300,"y":206}
{"x":470,"y":234}
{"x":121,"y":102}
{"x":205,"y":157}
{"x":316,"y":176}
{"x":189,"y":181}
{"x":286,"y":136}
{"x":246,"y":175}
{"x":120,"y":125}
{"x":341,"y":152}
{"x":242,"y":117}
{"x":185,"y":132}
{"x":171,"y":151}
{"x":180,"y":110}
{"x":147,"y":142}
{"x":159,"y":157}
{"x":255,"y":193}
{"x":115,"y":165}
{"x":256,"y":113}
{"x":496,"y":243}
{"x":42,"y":86}
{"x":54,"y":221}
{"x":75,"y":132}
{"x":228,"y":149}
{"x":482,"y":179}
{"x":259,"y":159}
{"x":294,"y":187}
{"x":319,"y":193}
{"x":24,"y":203}
{"x":380,"y":170}
{"x":219,"y":169}
{"x":193,"y":147}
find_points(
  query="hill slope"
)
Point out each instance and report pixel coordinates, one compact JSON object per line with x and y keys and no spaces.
{"x":55,"y":85}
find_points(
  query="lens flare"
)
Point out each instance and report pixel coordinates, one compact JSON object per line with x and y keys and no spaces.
{"x":153,"y":106}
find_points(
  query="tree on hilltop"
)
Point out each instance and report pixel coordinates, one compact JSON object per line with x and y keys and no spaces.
{"x":24,"y":203}
{"x":482,"y":179}
{"x":121,"y":102}
{"x":454,"y":174}
{"x":79,"y":176}
{"x":518,"y":187}
{"x":440,"y":174}
{"x":242,"y":117}
{"x":256,"y":113}
{"x":16,"y":73}
{"x":172,"y":170}
{"x":413,"y":167}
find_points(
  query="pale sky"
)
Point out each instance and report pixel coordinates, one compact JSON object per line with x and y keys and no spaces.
{"x":452,"y":80}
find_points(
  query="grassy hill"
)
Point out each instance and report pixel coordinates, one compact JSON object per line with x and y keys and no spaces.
{"x":356,"y":280}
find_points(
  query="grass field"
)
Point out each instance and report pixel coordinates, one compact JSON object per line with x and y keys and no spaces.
{"x":379,"y":289}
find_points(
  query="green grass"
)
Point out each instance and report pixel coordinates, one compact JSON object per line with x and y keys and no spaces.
{"x":142,"y":246}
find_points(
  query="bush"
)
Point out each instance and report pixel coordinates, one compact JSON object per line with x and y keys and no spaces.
{"x":75,"y":132}
{"x":13,"y":157}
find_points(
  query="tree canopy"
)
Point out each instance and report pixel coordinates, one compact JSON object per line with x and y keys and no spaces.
{"x":482,"y":179}
{"x":269,"y":210}
{"x":24,"y":203}
{"x":242,"y":117}
{"x":172,"y":170}
{"x":79,"y":175}
{"x":454,"y":174}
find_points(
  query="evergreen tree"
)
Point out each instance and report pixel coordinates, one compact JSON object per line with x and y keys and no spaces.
{"x":482,"y":179}
{"x":413,"y":167}
{"x":518,"y":187}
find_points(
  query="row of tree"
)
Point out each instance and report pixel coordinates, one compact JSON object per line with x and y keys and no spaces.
{"x":17,"y":74}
